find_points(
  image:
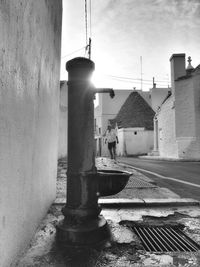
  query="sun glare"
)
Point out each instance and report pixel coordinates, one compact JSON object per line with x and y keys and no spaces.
{"x":99,"y":79}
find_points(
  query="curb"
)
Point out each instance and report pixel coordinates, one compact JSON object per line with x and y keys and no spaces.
{"x":147,"y":202}
{"x":128,"y":166}
{"x":136,"y":202}
{"x":168,"y":159}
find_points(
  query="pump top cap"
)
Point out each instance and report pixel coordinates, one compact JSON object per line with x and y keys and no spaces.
{"x":80,"y":62}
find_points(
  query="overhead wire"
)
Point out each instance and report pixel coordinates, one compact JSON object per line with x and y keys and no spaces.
{"x":90,"y":19}
{"x":87,"y":48}
{"x":73,"y":52}
{"x":135,"y":82}
{"x":136,"y":79}
{"x":88,"y":29}
{"x":86,"y":25}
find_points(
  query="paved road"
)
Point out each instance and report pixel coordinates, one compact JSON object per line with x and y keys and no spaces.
{"x":182,"y":178}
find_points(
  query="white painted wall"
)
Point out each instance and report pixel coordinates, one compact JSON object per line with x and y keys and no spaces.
{"x":166,"y":130}
{"x":187,"y":94}
{"x":134,"y":141}
{"x":196,"y":86}
{"x":184,"y":108}
{"x":179,"y":117}
{"x":63,"y":120}
{"x":29,"y":110}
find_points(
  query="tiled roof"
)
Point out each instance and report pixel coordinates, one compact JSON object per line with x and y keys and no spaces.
{"x":135,"y":112}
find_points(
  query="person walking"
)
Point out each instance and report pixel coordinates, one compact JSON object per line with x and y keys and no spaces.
{"x":111,"y":139}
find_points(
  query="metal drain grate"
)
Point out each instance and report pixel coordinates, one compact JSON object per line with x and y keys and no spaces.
{"x":138,"y":183}
{"x":164,"y":238}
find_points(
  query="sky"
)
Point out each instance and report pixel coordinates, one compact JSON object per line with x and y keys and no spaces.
{"x":131,"y":39}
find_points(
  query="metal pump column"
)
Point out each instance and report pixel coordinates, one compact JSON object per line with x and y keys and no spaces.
{"x":82,"y":224}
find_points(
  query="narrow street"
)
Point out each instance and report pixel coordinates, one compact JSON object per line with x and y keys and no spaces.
{"x":182,"y":178}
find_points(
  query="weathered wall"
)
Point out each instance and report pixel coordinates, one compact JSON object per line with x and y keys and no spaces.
{"x":63,"y":120}
{"x":196,"y":86}
{"x":187,"y":93}
{"x":166,"y":130}
{"x":30,"y":34}
{"x":134,"y":141}
{"x":184,"y":108}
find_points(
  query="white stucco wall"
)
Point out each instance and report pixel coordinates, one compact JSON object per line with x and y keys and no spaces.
{"x":187,"y":93}
{"x":63,"y":120}
{"x":196,"y":86}
{"x":134,"y":141}
{"x":184,"y":108}
{"x":166,"y":130}
{"x":29,"y":106}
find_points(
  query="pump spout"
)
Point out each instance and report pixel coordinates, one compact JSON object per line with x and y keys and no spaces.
{"x":105,"y":90}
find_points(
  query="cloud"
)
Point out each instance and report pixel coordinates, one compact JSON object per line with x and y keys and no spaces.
{"x":123,"y":30}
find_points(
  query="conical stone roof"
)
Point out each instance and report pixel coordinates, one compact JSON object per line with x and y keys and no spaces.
{"x":135,"y":112}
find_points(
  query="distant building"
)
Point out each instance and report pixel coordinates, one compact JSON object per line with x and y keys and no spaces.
{"x":135,"y":126}
{"x":63,"y":120}
{"x":177,"y":122}
{"x":107,"y":109}
{"x":157,"y":95}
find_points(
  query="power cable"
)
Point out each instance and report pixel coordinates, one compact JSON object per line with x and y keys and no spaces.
{"x":132,"y":79}
{"x":90,"y":19}
{"x":86,"y":26}
{"x":74,"y":52}
{"x":88,"y":41}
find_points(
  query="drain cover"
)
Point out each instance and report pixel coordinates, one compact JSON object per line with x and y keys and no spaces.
{"x":164,"y":238}
{"x":138,"y":183}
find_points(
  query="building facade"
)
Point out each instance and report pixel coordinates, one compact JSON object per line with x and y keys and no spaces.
{"x":63,"y":120}
{"x":29,"y":110}
{"x":177,"y":122}
{"x":135,"y":126}
{"x":106,"y":109}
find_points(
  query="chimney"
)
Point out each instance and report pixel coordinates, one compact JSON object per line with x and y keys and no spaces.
{"x":177,"y":68}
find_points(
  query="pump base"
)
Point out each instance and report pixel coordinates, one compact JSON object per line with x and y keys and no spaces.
{"x":87,"y":234}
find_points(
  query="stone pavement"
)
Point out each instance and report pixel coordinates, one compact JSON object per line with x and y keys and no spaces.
{"x":156,"y":206}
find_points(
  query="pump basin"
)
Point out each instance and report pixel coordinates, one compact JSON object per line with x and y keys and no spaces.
{"x":111,"y":182}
